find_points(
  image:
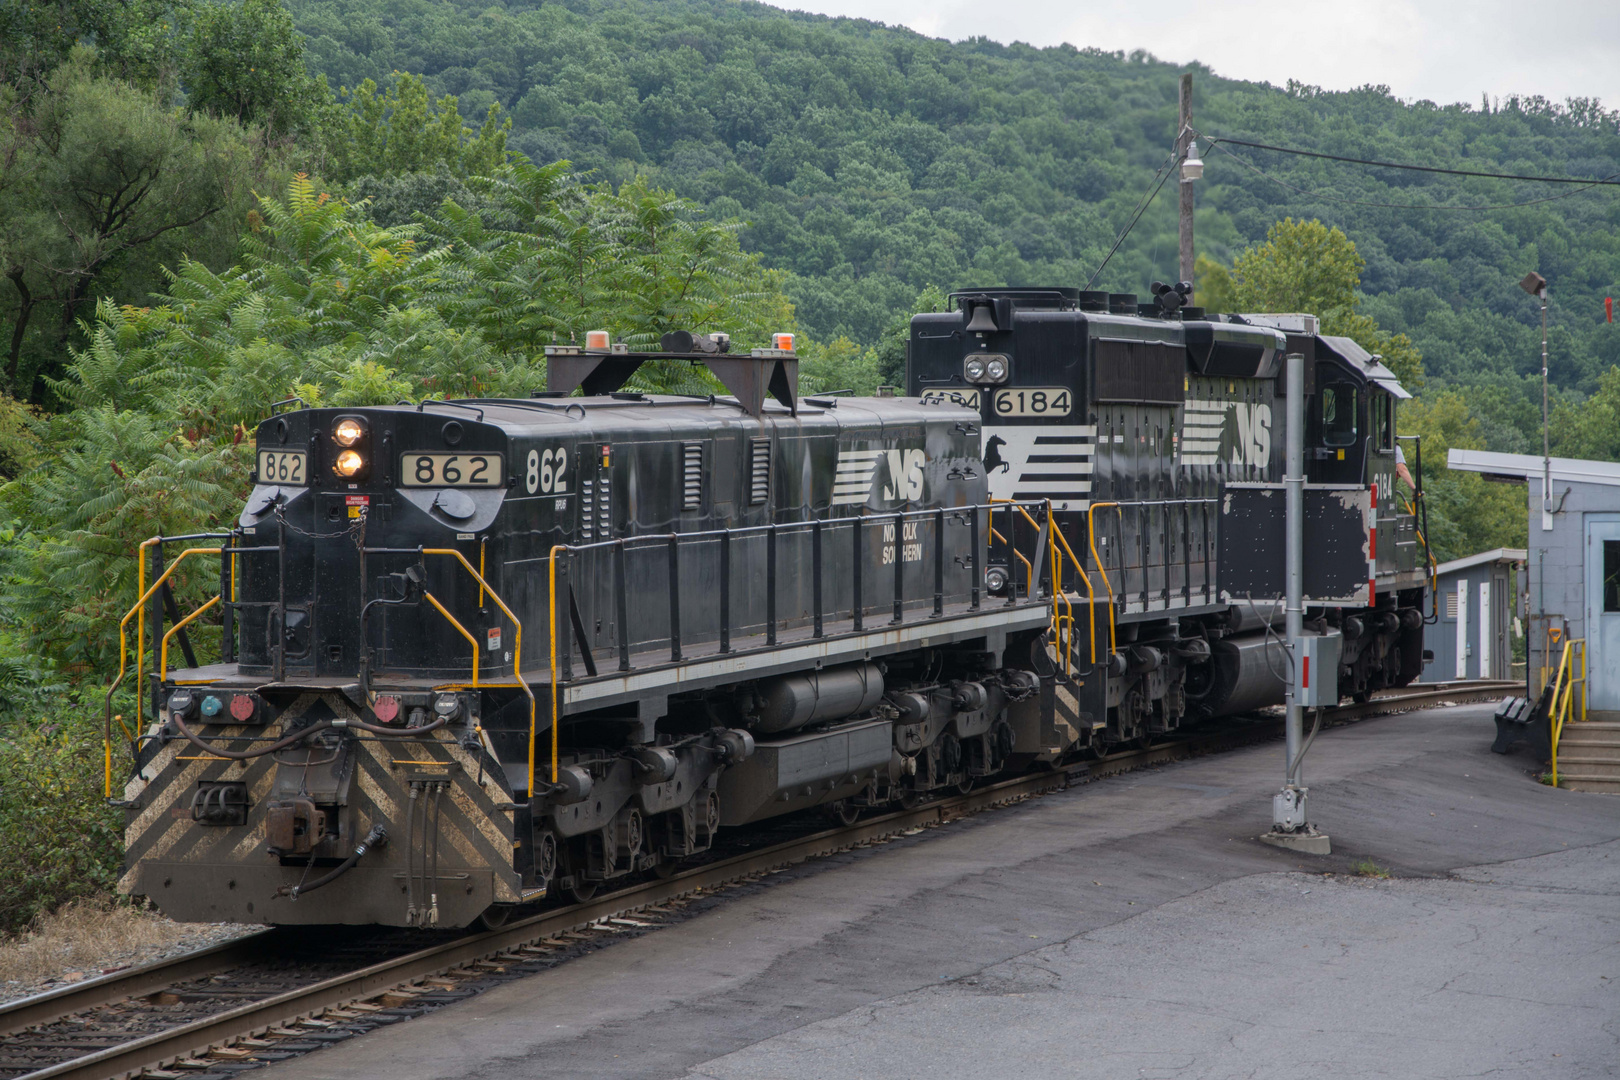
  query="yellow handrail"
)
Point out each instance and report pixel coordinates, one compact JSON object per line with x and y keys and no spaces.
{"x":1563,"y":693}
{"x":1091,"y":538}
{"x":123,"y":650}
{"x":1057,"y":576}
{"x":517,"y":655}
{"x":163,"y":653}
{"x":462,"y":630}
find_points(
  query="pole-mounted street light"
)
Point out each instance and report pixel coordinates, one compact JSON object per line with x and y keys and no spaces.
{"x":1536,"y":286}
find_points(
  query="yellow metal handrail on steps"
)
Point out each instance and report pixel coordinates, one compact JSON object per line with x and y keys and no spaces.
{"x":1564,"y":692}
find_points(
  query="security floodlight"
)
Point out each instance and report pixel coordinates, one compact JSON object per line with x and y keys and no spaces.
{"x":1192,"y":167}
{"x":1534,"y":284}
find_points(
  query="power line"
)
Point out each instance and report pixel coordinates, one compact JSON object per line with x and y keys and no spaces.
{"x":1162,"y":175}
{"x":1608,"y":180}
{"x":1321,"y":194}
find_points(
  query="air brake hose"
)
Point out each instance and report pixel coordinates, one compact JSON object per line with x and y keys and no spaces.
{"x":246,"y":755}
{"x":377,"y":837}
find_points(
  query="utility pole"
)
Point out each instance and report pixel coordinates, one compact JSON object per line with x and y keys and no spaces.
{"x":1184,"y":138}
{"x":1536,"y":286}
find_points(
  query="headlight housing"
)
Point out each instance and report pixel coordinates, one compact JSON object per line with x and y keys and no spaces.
{"x":995,"y":368}
{"x":974,"y":369}
{"x":348,"y":463}
{"x":348,"y":431}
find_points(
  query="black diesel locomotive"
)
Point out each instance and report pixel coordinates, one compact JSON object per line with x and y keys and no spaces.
{"x":478,"y":651}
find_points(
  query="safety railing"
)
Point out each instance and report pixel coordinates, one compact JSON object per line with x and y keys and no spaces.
{"x":877,"y":565}
{"x":1563,"y":695}
{"x":229,"y":554}
{"x":1163,"y":534}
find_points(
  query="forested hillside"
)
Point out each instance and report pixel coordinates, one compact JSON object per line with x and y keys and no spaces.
{"x":871,"y":162}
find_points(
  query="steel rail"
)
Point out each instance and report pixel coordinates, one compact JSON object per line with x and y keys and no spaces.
{"x":199,"y":1036}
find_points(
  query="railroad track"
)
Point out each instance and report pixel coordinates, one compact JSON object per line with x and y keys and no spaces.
{"x":278,"y":993}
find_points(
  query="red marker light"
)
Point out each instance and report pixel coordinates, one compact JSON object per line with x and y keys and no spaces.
{"x":386,"y":708}
{"x":242,"y":707}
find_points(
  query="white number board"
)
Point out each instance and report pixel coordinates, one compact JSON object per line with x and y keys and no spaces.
{"x":451,"y":470}
{"x":281,"y":467}
{"x":1033,"y":401}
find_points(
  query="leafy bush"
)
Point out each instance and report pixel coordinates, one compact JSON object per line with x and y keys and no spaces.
{"x":58,"y":840}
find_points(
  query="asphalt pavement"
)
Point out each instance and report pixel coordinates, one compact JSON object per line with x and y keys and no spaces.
{"x":1133,"y":927}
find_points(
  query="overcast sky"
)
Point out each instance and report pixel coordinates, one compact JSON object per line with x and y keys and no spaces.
{"x":1442,"y":50}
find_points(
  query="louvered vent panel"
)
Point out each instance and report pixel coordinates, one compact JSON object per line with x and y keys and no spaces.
{"x":587,"y":510}
{"x":1451,"y":605}
{"x":759,"y":471}
{"x":691,"y":476}
{"x":604,"y":509}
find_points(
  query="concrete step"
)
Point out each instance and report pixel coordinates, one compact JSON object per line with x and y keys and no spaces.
{"x":1610,"y":726}
{"x":1607,"y":785}
{"x":1588,"y":766}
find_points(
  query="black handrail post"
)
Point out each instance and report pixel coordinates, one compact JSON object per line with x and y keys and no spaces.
{"x":815,"y":571}
{"x":281,"y":595}
{"x":855,"y":531}
{"x":1012,"y":557}
{"x":675,"y":597}
{"x":226,"y":652}
{"x":899,"y":565}
{"x":565,"y":628}
{"x":621,"y":589}
{"x":939,"y":563}
{"x":725,"y":591}
{"x":770,"y":586}
{"x":974,"y":573}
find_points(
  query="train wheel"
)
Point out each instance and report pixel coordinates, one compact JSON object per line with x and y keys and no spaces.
{"x":495,"y":916}
{"x":664,"y":869}
{"x":577,"y":892}
{"x":844,"y":811}
{"x":966,"y":785}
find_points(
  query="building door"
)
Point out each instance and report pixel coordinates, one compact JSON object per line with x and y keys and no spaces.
{"x":1603,"y":611}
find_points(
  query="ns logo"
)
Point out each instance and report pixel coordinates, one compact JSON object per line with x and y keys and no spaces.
{"x":1253,"y":443}
{"x":905,"y":481}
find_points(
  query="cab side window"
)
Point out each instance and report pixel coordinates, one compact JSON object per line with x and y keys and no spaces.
{"x":1338,"y":414}
{"x":1383,"y":419}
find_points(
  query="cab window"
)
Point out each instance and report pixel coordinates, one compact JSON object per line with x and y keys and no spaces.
{"x":1383,"y":420}
{"x":1339,"y":414}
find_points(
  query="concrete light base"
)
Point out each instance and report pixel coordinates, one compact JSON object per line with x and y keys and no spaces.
{"x":1307,"y":841}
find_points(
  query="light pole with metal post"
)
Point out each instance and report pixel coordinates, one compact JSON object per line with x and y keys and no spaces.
{"x":1536,"y":286}
{"x":1290,"y":825}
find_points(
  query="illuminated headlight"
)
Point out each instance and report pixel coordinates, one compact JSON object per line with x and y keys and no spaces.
{"x":974,"y":369}
{"x":348,"y":431}
{"x":995,"y":580}
{"x":447,"y":706}
{"x":995,"y":368}
{"x":348,"y":463}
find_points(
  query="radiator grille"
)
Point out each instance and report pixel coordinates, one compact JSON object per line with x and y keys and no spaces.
{"x":691,"y":476}
{"x":759,"y":471}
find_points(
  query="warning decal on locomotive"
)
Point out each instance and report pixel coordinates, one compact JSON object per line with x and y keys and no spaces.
{"x":1052,"y":461}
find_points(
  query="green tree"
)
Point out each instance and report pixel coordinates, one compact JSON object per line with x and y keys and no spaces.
{"x":1305,"y":266}
{"x":245,"y":60}
{"x":103,"y":181}
{"x":401,"y":131}
{"x":1466,"y":513}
